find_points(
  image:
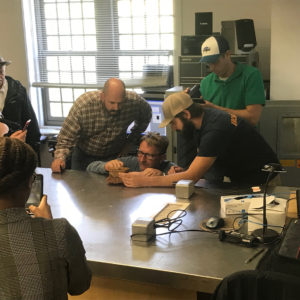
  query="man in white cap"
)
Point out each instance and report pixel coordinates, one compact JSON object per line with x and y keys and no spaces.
{"x":15,"y":106}
{"x":233,"y":87}
{"x":227,"y":144}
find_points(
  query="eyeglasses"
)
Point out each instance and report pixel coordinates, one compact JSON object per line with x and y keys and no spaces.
{"x":147,"y":155}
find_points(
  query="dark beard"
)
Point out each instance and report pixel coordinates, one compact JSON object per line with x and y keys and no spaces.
{"x":188,"y":129}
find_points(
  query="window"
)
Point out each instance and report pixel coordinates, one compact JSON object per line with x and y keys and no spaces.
{"x":82,"y":43}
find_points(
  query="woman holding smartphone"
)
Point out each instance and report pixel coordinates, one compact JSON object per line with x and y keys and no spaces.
{"x":41,"y":257}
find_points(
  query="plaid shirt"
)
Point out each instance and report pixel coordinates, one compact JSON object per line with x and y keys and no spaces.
{"x":97,"y":132}
{"x":39,"y":258}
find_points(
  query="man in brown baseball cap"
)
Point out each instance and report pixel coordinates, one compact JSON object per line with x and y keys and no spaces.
{"x":15,"y":106}
{"x":228,"y":146}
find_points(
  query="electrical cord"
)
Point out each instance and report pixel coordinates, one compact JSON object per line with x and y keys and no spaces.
{"x":171,"y":224}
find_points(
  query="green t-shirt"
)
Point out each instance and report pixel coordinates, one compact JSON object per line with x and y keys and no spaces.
{"x":244,"y":87}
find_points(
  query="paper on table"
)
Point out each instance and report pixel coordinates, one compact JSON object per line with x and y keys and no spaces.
{"x":257,"y":203}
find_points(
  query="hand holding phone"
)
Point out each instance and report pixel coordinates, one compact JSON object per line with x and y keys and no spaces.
{"x":36,"y":191}
{"x":26,"y":125}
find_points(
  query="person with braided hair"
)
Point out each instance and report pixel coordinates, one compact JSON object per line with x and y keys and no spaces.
{"x":40,"y":257}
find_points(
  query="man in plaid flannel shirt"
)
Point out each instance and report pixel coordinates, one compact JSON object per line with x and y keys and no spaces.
{"x":96,"y":126}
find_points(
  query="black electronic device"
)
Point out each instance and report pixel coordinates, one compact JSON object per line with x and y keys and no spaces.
{"x":240,"y":35}
{"x":214,"y":222}
{"x":203,"y":23}
{"x":238,"y":238}
{"x":194,"y":91}
{"x":37,"y":191}
{"x":191,"y":44}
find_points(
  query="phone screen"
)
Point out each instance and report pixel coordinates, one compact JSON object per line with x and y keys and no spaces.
{"x":36,"y":191}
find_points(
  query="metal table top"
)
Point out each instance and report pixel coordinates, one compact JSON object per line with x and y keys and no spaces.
{"x":103,"y":215}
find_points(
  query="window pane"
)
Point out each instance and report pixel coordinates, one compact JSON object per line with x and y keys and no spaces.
{"x":90,"y":43}
{"x":76,"y":26}
{"x":75,"y":10}
{"x":67,"y":95}
{"x":55,"y":109}
{"x":124,"y":63}
{"x":50,"y":11}
{"x":152,"y":7}
{"x":166,"y":7}
{"x":138,"y":63}
{"x":138,"y":8}
{"x":65,"y":43}
{"x":78,"y":77}
{"x":124,"y":8}
{"x":90,"y":77}
{"x":77,"y":93}
{"x":52,"y":43}
{"x":51,"y":27}
{"x":77,"y":63}
{"x":77,"y":43}
{"x":52,"y":63}
{"x":125,"y":25}
{"x":54,"y":94}
{"x":64,"y":63}
{"x":88,"y":10}
{"x":153,"y":41}
{"x":53,"y":77}
{"x":66,"y":108}
{"x":64,"y":27}
{"x":138,"y":25}
{"x":139,"y":42}
{"x":152,"y":25}
{"x":89,"y":63}
{"x":166,"y":24}
{"x":65,"y":77}
{"x":63,"y":11}
{"x":89,"y":26}
{"x":167,"y":41}
{"x":125,"y":42}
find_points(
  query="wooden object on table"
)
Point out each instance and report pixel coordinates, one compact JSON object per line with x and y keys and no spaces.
{"x":113,"y":177}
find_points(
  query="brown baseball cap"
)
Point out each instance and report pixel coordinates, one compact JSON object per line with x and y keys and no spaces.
{"x":173,"y":105}
{"x":4,"y":62}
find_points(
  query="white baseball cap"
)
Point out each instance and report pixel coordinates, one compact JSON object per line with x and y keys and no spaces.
{"x":212,"y":48}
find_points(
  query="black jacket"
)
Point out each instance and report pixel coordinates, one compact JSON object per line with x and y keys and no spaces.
{"x":18,"y":108}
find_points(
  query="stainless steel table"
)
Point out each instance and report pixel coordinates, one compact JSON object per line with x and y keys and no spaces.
{"x":103,"y":215}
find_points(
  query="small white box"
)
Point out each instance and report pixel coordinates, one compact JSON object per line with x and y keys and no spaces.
{"x":184,"y":188}
{"x":235,"y":204}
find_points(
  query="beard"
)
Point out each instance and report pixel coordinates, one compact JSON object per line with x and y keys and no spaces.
{"x":188,"y":129}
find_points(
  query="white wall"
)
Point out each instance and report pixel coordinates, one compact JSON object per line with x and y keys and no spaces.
{"x":285,"y":50}
{"x":12,"y":45}
{"x":258,"y":10}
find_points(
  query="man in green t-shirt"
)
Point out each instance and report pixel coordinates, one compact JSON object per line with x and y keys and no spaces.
{"x":235,"y":88}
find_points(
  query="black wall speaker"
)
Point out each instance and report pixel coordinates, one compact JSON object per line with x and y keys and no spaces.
{"x":203,"y":23}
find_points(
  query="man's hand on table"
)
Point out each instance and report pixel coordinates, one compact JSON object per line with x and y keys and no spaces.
{"x":113,"y":164}
{"x":152,"y":172}
{"x":133,"y":179}
{"x":58,"y":165}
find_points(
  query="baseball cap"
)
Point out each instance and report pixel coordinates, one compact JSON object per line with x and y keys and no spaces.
{"x":173,"y":105}
{"x":4,"y":62}
{"x":212,"y":48}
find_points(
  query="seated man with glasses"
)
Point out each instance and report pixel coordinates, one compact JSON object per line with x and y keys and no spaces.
{"x":150,"y":158}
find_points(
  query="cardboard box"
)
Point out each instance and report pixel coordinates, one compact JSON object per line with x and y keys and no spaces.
{"x":235,"y":204}
{"x":276,"y":214}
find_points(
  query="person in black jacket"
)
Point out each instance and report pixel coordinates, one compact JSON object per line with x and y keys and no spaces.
{"x":15,"y":105}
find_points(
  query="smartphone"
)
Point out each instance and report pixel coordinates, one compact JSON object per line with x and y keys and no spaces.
{"x":37,"y":191}
{"x":26,"y":125}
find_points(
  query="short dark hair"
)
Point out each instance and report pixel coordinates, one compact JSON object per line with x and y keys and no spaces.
{"x":17,"y":163}
{"x":160,"y":142}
